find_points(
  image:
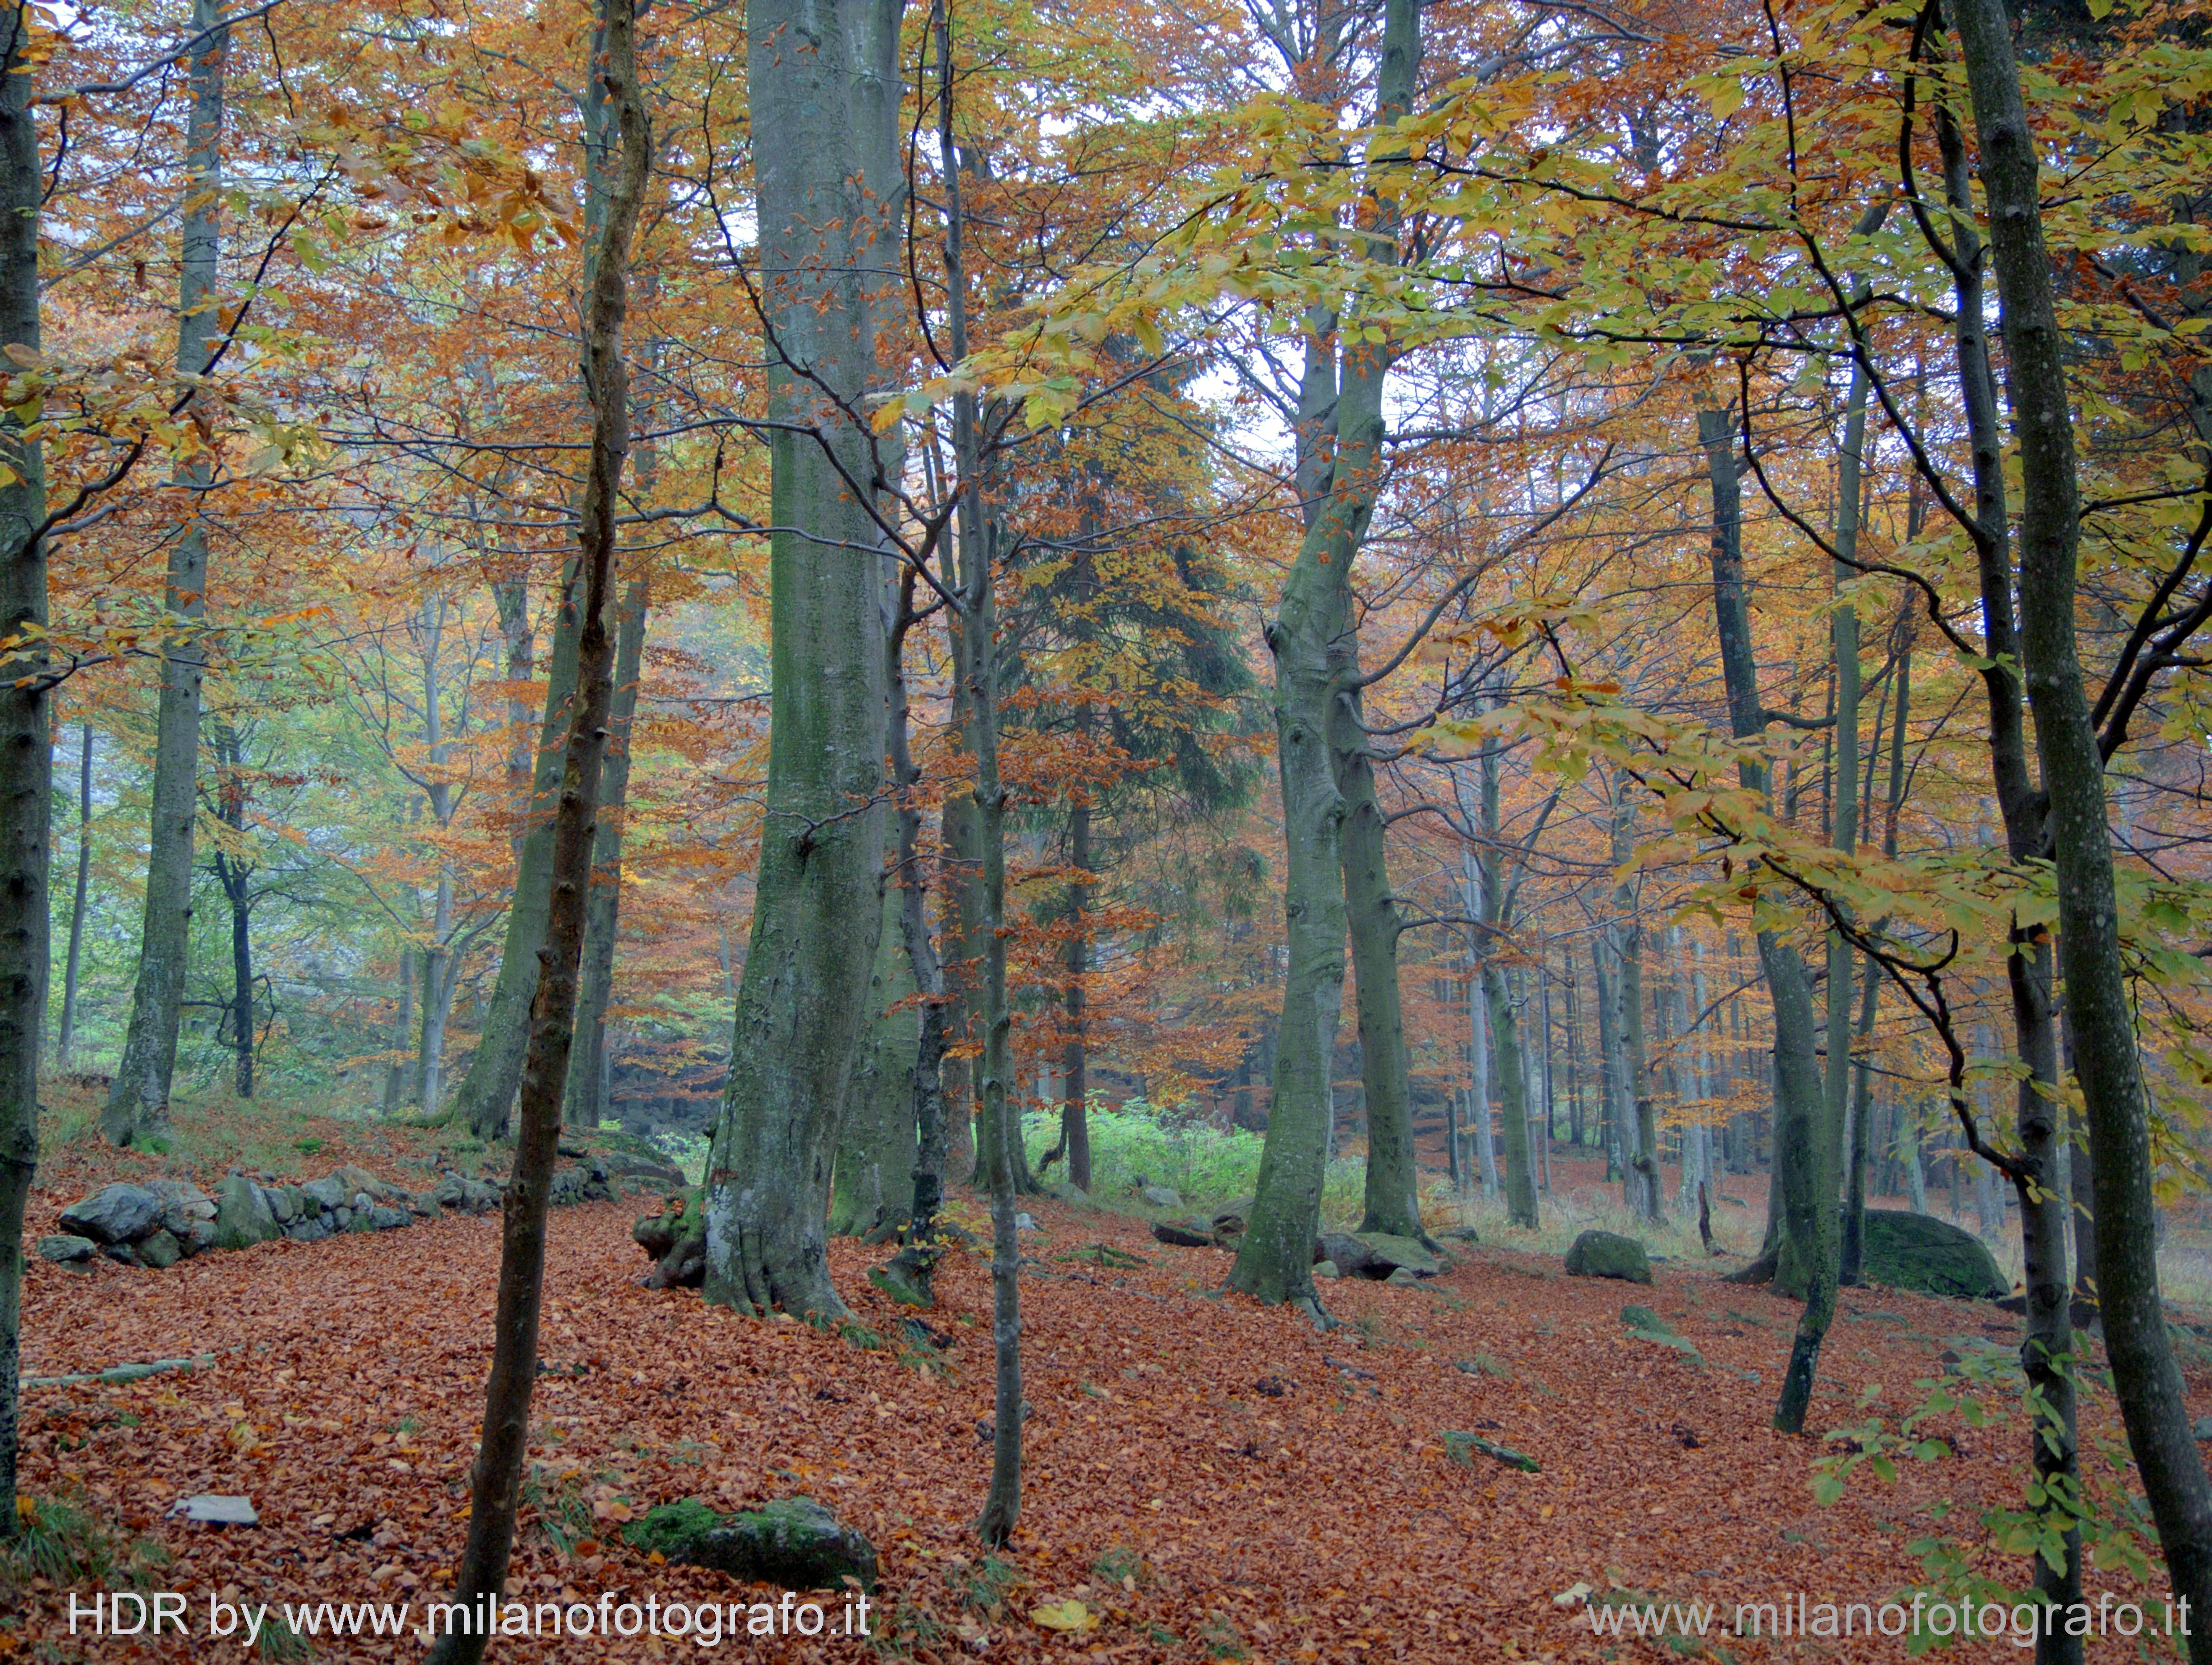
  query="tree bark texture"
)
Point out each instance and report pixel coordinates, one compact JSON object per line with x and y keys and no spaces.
{"x":825,"y":89}
{"x":495,"y":1480}
{"x":68,"y":1035}
{"x":2100,"y":1022}
{"x":138,"y":1102}
{"x":25,"y":747}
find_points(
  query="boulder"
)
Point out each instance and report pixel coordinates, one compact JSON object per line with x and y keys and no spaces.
{"x":182,"y":1202}
{"x":383,"y":1219}
{"x":328,"y":1192}
{"x":626,"y":1164}
{"x":1351,"y":1256}
{"x":470,"y":1197}
{"x":283,"y":1204}
{"x":358,"y":1180}
{"x":1404,"y":1253}
{"x":113,"y":1213}
{"x":1326,"y":1269}
{"x":242,"y":1216}
{"x":160,"y":1250}
{"x":309,"y":1229}
{"x":1608,"y":1254}
{"x":1906,"y":1251}
{"x":121,"y":1253}
{"x":793,"y":1542}
{"x":63,"y":1248}
{"x":1184,"y":1233}
{"x":1162,"y":1196}
{"x":197,"y":1237}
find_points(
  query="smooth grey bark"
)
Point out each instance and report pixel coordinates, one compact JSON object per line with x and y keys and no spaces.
{"x":1608,"y":1055}
{"x":235,"y":875}
{"x":585,"y":1104}
{"x":1806,"y":1255}
{"x":1843,"y":820}
{"x":440,"y":965}
{"x":511,"y":597}
{"x":2100,"y":1022}
{"x":873,"y":1182}
{"x":825,"y":90}
{"x":1852,"y":1259}
{"x":395,"y":1076}
{"x":26,"y":745}
{"x":138,"y":1103}
{"x":1392,"y":1199}
{"x":1646,"y":1195}
{"x":1500,"y":889}
{"x":1474,"y":895}
{"x":67,"y":1036}
{"x":1274,"y":1260}
{"x":1075,"y":1110}
{"x":487,"y":1092}
{"x":495,"y":1478}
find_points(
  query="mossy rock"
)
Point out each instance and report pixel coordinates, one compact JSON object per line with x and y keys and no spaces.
{"x":1906,"y":1251}
{"x":1608,"y":1254}
{"x":1404,"y":1254}
{"x":793,"y":1542}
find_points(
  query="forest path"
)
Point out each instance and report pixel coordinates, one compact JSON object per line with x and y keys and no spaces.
{"x":1265,"y":1486}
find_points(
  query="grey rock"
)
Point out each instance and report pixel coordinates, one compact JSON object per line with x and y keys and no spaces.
{"x":1404,"y":1254}
{"x":1024,"y":1223}
{"x":328,"y":1192}
{"x":242,"y":1216}
{"x":1326,"y":1269}
{"x":197,"y":1237}
{"x":160,"y":1249}
{"x":284,"y":1204}
{"x":1183,"y":1233}
{"x":1608,"y":1254}
{"x":793,"y":1542}
{"x":357,"y":1180}
{"x":2202,"y":1427}
{"x":216,"y":1510}
{"x":1351,"y":1256}
{"x":182,"y":1202}
{"x":65,"y":1247}
{"x":362,"y":1203}
{"x":113,"y":1213}
{"x":1162,"y":1196}
{"x":341,"y":1218}
{"x":1915,"y":1251}
{"x":383,"y":1219}
{"x":624,"y":1164}
{"x":121,"y":1253}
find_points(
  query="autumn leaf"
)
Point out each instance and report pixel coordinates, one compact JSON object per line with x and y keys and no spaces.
{"x":1070,"y":1615}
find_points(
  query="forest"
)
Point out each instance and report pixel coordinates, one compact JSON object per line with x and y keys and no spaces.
{"x":845,"y":828}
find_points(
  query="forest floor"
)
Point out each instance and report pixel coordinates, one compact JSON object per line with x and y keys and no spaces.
{"x":1208,"y":1479}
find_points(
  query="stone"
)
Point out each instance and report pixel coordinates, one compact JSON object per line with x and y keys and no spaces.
{"x":340,"y":1218}
{"x":1162,"y":1196}
{"x":182,"y":1202}
{"x":197,"y":1237}
{"x":308,"y":1229}
{"x":121,"y":1253}
{"x":160,"y":1250}
{"x":330,"y":1192}
{"x":242,"y":1216}
{"x":1024,"y":1223}
{"x":113,"y":1213}
{"x":64,"y":1247}
{"x":1906,"y":1251}
{"x":627,"y":1165}
{"x":1326,"y":1269}
{"x":216,"y":1510}
{"x":1351,"y":1256}
{"x":2202,"y":1427}
{"x":384,"y":1219}
{"x":1404,"y":1254}
{"x":357,"y":1180}
{"x":284,"y":1204}
{"x":793,"y":1542}
{"x":1608,"y":1254}
{"x":1404,"y":1276}
{"x":1183,"y":1234}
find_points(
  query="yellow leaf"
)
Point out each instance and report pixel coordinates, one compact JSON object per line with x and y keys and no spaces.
{"x":1149,"y":334}
{"x":1728,"y":98}
{"x":1070,"y":1615}
{"x":888,"y":414}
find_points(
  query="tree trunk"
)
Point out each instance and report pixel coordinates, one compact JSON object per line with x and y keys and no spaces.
{"x":236,"y":878}
{"x":26,"y":747}
{"x":495,"y":1480}
{"x":395,"y":1077}
{"x":587,"y":1104}
{"x":2100,"y":1022}
{"x":76,"y":907}
{"x":138,"y":1103}
{"x":1474,"y":893}
{"x":1499,"y":890}
{"x":1275,"y":1262}
{"x":873,"y":1182}
{"x":481,"y":1102}
{"x":1804,"y":1182}
{"x":826,"y":162}
{"x":1075,"y":1112}
{"x":1393,"y":1200}
{"x":1843,"y":822}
